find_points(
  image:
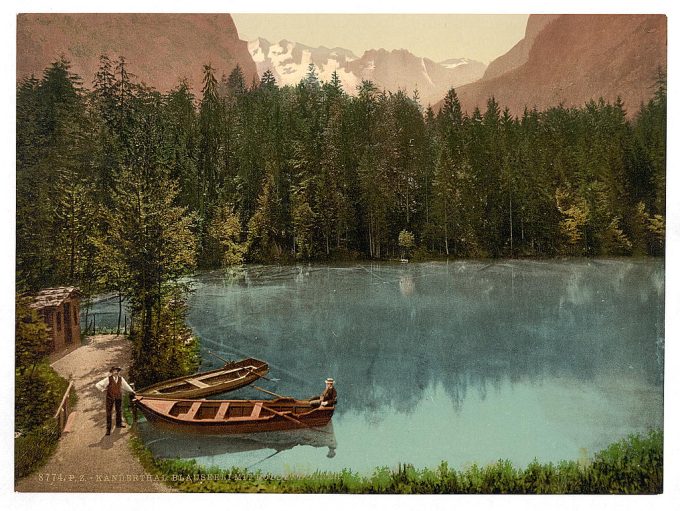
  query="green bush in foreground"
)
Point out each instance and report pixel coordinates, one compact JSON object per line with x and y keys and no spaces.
{"x":37,"y":396}
{"x":33,"y":449}
{"x":631,"y":466}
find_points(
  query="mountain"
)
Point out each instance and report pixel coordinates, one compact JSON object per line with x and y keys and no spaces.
{"x":160,"y":49}
{"x":571,"y":59}
{"x":519,"y":53}
{"x":389,"y":70}
{"x":289,"y":62}
{"x":400,"y":69}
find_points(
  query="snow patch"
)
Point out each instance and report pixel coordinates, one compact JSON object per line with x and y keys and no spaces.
{"x":427,"y":75}
{"x":452,"y":64}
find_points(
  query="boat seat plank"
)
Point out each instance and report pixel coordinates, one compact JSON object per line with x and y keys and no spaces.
{"x":197,"y":383}
{"x":192,"y":411}
{"x":235,"y":369}
{"x":222,"y":411}
{"x":158,"y":405}
{"x":257,"y":409}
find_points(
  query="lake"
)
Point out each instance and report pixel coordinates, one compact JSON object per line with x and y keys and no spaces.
{"x":464,"y":362}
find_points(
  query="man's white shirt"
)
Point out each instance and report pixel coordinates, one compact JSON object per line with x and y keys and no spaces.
{"x":104,"y":383}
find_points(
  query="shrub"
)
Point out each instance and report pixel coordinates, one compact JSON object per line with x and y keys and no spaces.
{"x":32,"y":449}
{"x":37,"y":397}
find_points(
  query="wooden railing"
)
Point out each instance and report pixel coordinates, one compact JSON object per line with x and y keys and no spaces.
{"x":90,"y":324}
{"x":64,"y":410}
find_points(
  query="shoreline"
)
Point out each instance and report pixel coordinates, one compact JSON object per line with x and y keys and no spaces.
{"x":360,"y":261}
{"x":641,"y":456}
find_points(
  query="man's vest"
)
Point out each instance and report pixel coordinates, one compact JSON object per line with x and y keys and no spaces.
{"x":113,"y":390}
{"x":330,"y":395}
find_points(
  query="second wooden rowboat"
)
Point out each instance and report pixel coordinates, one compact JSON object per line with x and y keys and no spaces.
{"x":220,"y":417}
{"x":231,"y":376}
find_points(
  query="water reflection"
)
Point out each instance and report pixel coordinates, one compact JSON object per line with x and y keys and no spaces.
{"x":386,"y":333}
{"x":166,"y":444}
{"x":406,"y":285}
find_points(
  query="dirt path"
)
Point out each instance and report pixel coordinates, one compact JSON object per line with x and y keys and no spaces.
{"x":86,"y":460}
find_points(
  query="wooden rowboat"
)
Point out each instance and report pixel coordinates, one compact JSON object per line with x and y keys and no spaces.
{"x":220,"y":417}
{"x":231,"y":376}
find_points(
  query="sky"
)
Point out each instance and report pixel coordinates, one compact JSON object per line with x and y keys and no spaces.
{"x":481,"y":37}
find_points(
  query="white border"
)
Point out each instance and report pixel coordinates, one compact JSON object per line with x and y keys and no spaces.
{"x":670,"y":498}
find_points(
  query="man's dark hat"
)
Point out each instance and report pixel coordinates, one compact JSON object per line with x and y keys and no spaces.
{"x":115,"y":369}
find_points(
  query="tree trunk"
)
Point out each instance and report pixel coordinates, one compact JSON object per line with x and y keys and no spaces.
{"x":73,"y":241}
{"x":120,"y":311}
{"x":370,"y":235}
{"x":148,"y":319}
{"x":511,"y":226}
{"x":87,"y":312}
{"x":160,"y":304}
{"x":446,"y":230}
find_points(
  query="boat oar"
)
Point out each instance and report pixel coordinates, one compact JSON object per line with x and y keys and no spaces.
{"x":283,"y":414}
{"x":294,"y":420}
{"x":222,"y":359}
{"x":249,"y":370}
{"x":263,"y":376}
{"x":270,"y":392}
{"x":263,"y":459}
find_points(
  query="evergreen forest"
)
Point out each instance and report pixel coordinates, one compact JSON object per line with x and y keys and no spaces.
{"x":261,"y":173}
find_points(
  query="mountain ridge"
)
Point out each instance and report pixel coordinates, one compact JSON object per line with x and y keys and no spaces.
{"x":389,"y":69}
{"x":160,"y":49}
{"x":577,"y":58}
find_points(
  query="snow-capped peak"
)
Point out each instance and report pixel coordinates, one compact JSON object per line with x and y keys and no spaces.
{"x":391,"y":70}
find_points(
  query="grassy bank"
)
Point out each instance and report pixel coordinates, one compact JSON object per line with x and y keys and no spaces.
{"x":37,"y":398}
{"x":633,"y":465}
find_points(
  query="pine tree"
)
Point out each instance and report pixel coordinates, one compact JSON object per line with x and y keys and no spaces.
{"x":236,"y":83}
{"x":53,"y":152}
{"x":311,"y":79}
{"x":154,"y":247}
{"x":268,"y":80}
{"x":303,"y":220}
{"x":332,"y":201}
{"x":183,"y":138}
{"x":149,"y":244}
{"x":455,"y":201}
{"x":30,"y":335}
{"x":262,"y":231}
{"x":430,"y":151}
{"x":225,"y":229}
{"x":210,"y":173}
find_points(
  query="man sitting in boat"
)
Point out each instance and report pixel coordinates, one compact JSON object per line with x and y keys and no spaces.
{"x":328,"y":397}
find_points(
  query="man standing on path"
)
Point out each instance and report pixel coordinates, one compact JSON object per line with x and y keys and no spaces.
{"x":114,"y":385}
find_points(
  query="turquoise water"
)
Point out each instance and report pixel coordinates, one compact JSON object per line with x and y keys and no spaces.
{"x":463,"y":362}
